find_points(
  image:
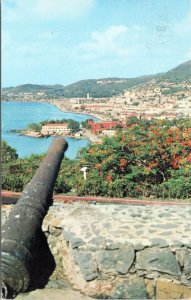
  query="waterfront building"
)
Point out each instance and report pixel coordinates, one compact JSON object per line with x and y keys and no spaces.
{"x":55,"y":129}
{"x":108,"y":125}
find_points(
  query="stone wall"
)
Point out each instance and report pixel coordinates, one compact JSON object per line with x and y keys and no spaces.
{"x":122,"y":251}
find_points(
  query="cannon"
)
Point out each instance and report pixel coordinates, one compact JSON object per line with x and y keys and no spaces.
{"x":19,"y":233}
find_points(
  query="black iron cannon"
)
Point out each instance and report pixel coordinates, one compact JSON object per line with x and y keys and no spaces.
{"x":19,"y":233}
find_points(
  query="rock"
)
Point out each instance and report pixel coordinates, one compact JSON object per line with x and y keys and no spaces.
{"x":158,"y":242}
{"x":150,"y":287}
{"x":96,"y":243}
{"x":67,"y":234}
{"x":71,"y":237}
{"x":112,"y":245}
{"x":171,"y":290}
{"x":158,"y":260}
{"x":86,"y":264}
{"x":52,"y":241}
{"x":55,"y":231}
{"x":130,"y":289}
{"x":76,"y":242}
{"x":187,"y":264}
{"x":176,"y":243}
{"x":116,"y":261}
{"x":58,"y":284}
{"x":139,"y":246}
{"x":166,"y":226}
{"x":180,"y":254}
{"x":186,"y":281}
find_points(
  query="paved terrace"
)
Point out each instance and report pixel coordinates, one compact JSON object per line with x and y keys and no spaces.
{"x":119,"y":251}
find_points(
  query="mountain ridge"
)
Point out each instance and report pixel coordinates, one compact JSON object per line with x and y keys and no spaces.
{"x":104,"y":87}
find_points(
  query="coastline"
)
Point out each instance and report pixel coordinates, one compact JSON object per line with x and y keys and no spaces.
{"x":63,"y":108}
{"x":87,"y":134}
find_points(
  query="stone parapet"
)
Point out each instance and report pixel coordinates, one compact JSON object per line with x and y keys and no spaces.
{"x":122,"y":251}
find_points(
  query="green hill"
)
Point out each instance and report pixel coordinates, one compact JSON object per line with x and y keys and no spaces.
{"x":180,"y":73}
{"x":30,"y":88}
{"x":105,"y":87}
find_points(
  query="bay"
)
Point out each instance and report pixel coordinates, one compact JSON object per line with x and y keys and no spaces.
{"x":17,"y":115}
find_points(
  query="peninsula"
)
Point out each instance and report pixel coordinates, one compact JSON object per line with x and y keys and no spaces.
{"x":64,"y":127}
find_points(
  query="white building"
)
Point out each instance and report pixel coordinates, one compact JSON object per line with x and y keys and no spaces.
{"x":55,"y":128}
{"x":108,"y":132}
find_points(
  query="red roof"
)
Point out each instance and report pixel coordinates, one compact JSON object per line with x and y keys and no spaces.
{"x":53,"y":125}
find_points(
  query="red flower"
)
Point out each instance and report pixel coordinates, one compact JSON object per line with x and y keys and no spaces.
{"x":169,"y":140}
{"x":109,"y":178}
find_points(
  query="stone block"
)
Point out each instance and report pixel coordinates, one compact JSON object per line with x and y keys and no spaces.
{"x":55,"y":231}
{"x":96,"y":243}
{"x":187,"y":264}
{"x":180,"y":254}
{"x":112,"y":245}
{"x":116,"y":261}
{"x":158,"y":260}
{"x":139,"y":246}
{"x":171,"y":290}
{"x":150,"y":287}
{"x":86,"y":263}
{"x":71,"y":237}
{"x":158,"y":242}
{"x":130,"y":289}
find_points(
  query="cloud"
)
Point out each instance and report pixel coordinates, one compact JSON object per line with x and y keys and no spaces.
{"x":52,"y":9}
{"x":108,"y":43}
{"x":46,"y":10}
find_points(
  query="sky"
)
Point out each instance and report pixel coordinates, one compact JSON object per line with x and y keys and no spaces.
{"x":64,"y":41}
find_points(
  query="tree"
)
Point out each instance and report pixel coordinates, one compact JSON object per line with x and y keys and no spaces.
{"x":34,"y":127}
{"x":73,"y":125}
{"x":143,"y":157}
{"x":85,"y":124}
{"x":132,"y":120}
{"x":8,"y":153}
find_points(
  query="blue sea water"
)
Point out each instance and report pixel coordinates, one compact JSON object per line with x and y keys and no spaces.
{"x":17,"y":115}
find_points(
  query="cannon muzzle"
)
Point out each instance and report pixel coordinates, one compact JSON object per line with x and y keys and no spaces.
{"x":19,"y":233}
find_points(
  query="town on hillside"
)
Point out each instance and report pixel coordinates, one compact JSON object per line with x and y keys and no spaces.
{"x":147,"y":101}
{"x":166,"y":96}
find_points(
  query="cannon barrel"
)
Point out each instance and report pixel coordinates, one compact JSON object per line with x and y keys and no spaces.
{"x":24,"y":222}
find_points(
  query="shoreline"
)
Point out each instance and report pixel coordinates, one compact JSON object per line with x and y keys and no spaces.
{"x":64,"y":109}
{"x":90,"y":137}
{"x":87,"y":135}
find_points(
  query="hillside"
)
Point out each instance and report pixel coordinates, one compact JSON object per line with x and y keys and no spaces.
{"x":105,"y":87}
{"x":179,"y":74}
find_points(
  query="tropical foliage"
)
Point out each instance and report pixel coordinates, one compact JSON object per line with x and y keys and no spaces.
{"x":145,"y":159}
{"x":7,"y":153}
